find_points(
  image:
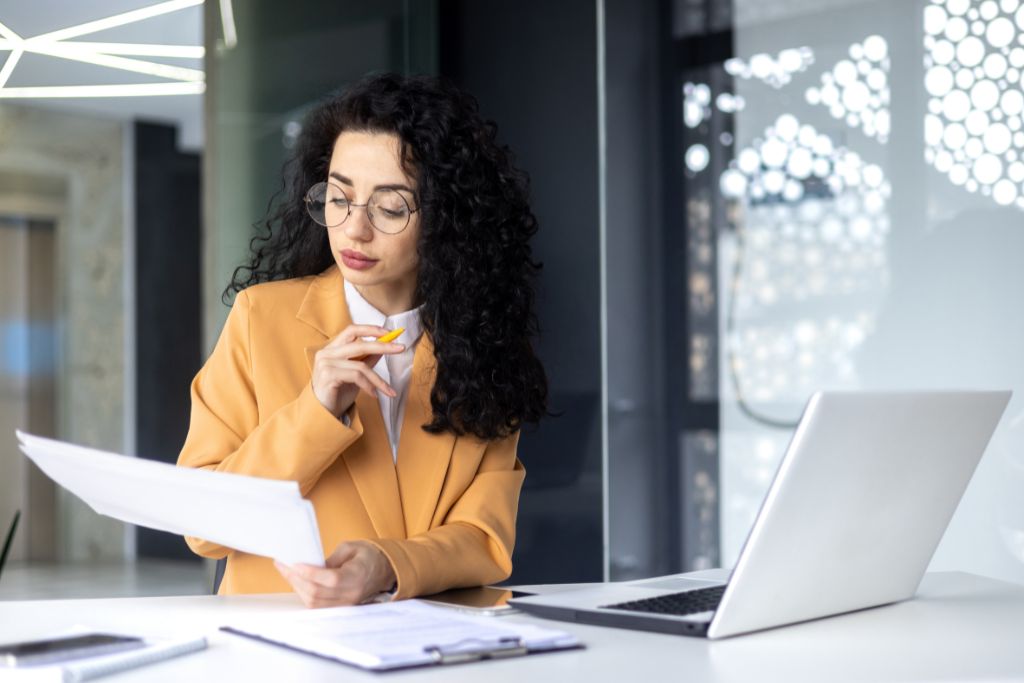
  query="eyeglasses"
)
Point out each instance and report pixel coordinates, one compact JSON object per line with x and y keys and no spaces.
{"x":388,"y":210}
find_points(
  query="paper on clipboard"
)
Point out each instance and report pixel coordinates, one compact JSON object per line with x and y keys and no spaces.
{"x":397,"y":635}
{"x":264,"y":517}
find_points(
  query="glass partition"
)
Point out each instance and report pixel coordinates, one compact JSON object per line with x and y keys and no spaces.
{"x":264,"y":71}
{"x":870,"y":232}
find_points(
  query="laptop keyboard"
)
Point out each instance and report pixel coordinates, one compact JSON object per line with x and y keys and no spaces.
{"x":678,"y":604}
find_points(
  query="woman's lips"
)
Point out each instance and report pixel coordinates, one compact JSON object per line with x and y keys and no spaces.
{"x":356,"y":260}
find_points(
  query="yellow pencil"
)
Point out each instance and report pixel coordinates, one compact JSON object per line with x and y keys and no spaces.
{"x":384,"y":339}
{"x":391,"y":336}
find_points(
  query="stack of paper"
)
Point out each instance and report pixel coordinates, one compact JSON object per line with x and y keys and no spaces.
{"x":259,"y":516}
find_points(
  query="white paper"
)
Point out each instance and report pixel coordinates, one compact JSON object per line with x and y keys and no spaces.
{"x":254,"y":515}
{"x":396,"y":634}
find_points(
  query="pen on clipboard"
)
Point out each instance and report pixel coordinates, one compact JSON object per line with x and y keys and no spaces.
{"x":384,"y":339}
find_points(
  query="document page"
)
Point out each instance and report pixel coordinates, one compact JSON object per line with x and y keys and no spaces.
{"x":260,"y":516}
{"x":399,"y":634}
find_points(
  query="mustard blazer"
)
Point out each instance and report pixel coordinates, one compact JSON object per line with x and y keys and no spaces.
{"x":444,"y":515}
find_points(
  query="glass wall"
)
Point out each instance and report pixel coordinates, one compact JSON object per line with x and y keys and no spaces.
{"x":865,"y":174}
{"x":264,"y":72}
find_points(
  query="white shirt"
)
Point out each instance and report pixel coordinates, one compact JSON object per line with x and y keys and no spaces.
{"x":395,"y":368}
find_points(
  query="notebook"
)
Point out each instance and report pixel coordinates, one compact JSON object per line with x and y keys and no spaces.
{"x":403,"y":634}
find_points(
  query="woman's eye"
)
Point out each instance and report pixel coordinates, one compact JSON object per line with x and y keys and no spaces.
{"x":393,"y":213}
{"x":338,"y":202}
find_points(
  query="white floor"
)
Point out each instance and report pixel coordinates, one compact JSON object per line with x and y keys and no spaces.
{"x":33,"y":581}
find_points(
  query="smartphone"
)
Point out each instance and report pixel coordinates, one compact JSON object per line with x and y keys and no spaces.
{"x":49,"y":651}
{"x":483,"y":600}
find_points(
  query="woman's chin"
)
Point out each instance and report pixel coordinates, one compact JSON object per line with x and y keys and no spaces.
{"x":358,"y":276}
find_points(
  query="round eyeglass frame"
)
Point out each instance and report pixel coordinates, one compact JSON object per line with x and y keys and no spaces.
{"x":308,"y":200}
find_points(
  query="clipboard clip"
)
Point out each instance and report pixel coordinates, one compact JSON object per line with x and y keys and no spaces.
{"x":475,"y":649}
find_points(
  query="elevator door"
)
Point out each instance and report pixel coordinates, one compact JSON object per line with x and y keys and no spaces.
{"x":28,"y":358}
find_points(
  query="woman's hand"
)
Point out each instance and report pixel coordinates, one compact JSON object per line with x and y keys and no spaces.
{"x":345,"y":366}
{"x":355,"y":572}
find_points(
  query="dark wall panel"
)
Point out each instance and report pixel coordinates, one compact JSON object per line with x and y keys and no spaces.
{"x":533,"y":67}
{"x":167,"y":314}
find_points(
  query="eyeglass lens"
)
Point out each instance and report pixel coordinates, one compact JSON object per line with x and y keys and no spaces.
{"x":329,"y":206}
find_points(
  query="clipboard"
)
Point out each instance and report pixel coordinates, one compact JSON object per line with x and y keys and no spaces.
{"x":402,"y":635}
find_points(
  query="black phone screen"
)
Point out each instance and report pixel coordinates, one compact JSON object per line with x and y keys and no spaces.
{"x":60,"y":649}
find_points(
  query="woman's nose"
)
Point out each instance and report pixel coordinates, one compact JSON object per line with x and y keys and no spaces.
{"x":358,"y":224}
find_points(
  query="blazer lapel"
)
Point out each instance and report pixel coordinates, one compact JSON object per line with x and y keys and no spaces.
{"x":372,"y":468}
{"x":423,"y":458}
{"x":369,"y":459}
{"x":324,"y":307}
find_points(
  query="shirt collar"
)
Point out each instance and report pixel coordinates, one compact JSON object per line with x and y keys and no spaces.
{"x":363,"y":313}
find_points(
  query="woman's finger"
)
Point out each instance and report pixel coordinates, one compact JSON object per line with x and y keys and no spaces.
{"x":353,"y":332}
{"x":321,"y":587}
{"x":317,"y":585}
{"x":318,"y":576}
{"x":362,"y":350}
{"x":354,"y":372}
{"x":375,"y":380}
{"x":302,"y":587}
{"x":342,"y":554}
{"x":366,"y":386}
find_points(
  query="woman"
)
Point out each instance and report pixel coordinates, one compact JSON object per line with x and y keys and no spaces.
{"x":400,"y":210}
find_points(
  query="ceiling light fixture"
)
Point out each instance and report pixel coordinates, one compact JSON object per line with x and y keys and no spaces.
{"x":227,"y":20}
{"x":184,"y":81}
{"x":119,"y":20}
{"x":178,"y":73}
{"x":134,"y":49}
{"x":129,"y":90}
{"x":9,"y":65}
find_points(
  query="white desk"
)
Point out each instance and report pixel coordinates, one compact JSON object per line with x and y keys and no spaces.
{"x":961,"y":627}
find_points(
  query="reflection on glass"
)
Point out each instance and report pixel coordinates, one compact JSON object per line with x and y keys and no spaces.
{"x":877,"y":241}
{"x":701,"y":514}
{"x":973,"y":60}
{"x":814,"y":231}
{"x":775,"y":71}
{"x":856,"y":90}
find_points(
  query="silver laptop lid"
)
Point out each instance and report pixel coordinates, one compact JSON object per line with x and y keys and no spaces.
{"x":860,"y":501}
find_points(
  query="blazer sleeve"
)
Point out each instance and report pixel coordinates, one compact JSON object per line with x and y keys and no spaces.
{"x":297,"y":442}
{"x":474,"y":545}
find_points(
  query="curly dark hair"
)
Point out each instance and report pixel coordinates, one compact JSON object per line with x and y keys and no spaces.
{"x":476,"y":275}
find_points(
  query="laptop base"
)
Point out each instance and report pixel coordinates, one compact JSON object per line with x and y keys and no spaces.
{"x":634,"y":622}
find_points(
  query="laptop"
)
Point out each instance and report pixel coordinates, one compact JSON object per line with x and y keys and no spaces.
{"x":859,"y":503}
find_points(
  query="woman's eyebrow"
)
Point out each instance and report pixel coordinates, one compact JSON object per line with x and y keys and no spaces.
{"x":393,"y":186}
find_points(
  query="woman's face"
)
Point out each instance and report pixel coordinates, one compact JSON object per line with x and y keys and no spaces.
{"x":381,"y":265}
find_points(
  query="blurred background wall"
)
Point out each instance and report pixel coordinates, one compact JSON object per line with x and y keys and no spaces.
{"x":62,"y":211}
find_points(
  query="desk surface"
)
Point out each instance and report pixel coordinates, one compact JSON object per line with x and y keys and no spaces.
{"x":960,"y":627}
